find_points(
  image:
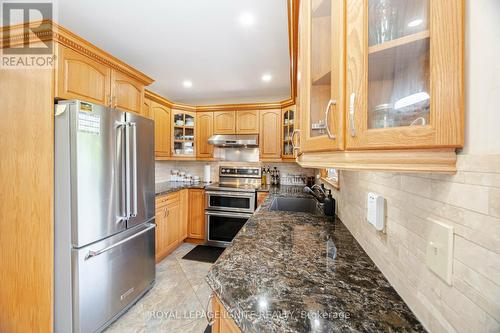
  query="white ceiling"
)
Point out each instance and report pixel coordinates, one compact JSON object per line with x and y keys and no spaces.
{"x":198,"y":40}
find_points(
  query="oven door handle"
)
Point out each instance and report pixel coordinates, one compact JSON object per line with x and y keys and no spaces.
{"x":232,"y":194}
{"x":227,"y":214}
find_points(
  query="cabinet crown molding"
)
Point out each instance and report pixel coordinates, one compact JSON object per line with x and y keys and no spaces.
{"x":48,"y":30}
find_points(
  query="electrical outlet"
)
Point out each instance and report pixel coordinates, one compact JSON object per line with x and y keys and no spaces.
{"x":439,"y":251}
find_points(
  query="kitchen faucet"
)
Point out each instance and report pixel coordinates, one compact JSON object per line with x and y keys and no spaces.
{"x":310,"y":190}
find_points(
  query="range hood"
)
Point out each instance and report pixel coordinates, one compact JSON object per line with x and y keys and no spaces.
{"x":234,"y":140}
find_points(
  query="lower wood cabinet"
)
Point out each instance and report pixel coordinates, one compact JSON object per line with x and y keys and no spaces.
{"x":179,"y":215}
{"x":184,"y":201}
{"x":196,"y":223}
{"x":168,"y":226}
{"x":261,"y":196}
{"x":223,"y":322}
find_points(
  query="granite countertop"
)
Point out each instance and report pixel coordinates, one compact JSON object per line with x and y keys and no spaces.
{"x":297,"y":272}
{"x":169,"y":187}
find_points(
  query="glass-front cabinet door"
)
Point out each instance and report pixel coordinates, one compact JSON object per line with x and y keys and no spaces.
{"x":288,"y":122}
{"x":404,"y":84}
{"x":322,"y":95}
{"x":183,"y":125}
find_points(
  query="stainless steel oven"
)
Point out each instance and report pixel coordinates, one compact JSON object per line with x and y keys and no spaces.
{"x":222,"y":227}
{"x":231,"y":201}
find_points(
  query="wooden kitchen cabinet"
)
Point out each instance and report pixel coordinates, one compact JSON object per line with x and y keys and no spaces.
{"x":225,"y":122}
{"x":289,"y":131}
{"x":184,"y":207}
{"x":247,"y":122}
{"x":204,"y":130}
{"x":81,"y":77}
{"x":381,"y":92}
{"x":261,"y":196}
{"x":127,"y":93}
{"x":405,"y":78}
{"x":146,"y":108}
{"x":196,"y":223}
{"x":168,"y":224}
{"x":322,"y":76}
{"x":162,"y":118}
{"x":223,"y":322}
{"x":270,"y":134}
{"x":183,"y":133}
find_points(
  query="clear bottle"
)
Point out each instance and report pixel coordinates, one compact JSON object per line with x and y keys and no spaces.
{"x":268,"y":176}
{"x":278,"y":178}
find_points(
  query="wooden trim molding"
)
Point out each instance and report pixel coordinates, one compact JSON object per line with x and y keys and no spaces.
{"x":47,"y":30}
{"x":430,"y":160}
{"x":293,"y":37}
{"x":220,"y":107}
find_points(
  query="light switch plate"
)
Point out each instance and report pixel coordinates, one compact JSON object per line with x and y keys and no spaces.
{"x":439,"y":250}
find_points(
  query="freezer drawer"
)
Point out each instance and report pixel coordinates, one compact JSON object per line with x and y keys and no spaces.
{"x":109,"y":275}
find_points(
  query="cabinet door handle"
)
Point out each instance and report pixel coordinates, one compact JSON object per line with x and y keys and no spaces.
{"x":327,"y":119}
{"x":352,"y":111}
{"x":165,"y":214}
{"x":116,"y":101}
{"x":294,"y":147}
{"x":109,"y":100}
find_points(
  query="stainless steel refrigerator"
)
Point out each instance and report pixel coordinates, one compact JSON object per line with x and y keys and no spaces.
{"x":104,"y":214}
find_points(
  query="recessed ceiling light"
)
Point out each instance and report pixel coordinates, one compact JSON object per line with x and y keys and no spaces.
{"x":267,"y":77}
{"x":247,"y":19}
{"x":187,"y":84}
{"x":415,"y":23}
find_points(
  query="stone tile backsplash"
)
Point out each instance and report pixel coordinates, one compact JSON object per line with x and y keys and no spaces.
{"x":196,"y":168}
{"x":470,"y":202}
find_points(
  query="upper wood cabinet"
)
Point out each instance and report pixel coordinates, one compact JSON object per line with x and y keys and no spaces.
{"x":162,"y":118}
{"x":146,"y":108}
{"x":381,"y":84}
{"x":289,"y":131}
{"x":127,"y":93}
{"x":225,"y":122}
{"x":196,"y":222}
{"x":183,"y":132}
{"x":247,"y":122}
{"x":322,"y":75}
{"x":204,"y":130}
{"x":405,"y":74}
{"x":270,"y":134}
{"x":80,"y":77}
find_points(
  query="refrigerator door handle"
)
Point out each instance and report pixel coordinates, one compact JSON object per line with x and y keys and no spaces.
{"x":122,"y":181}
{"x":92,"y":254}
{"x":133,"y":212}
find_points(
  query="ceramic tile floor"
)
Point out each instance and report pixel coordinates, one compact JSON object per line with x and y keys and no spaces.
{"x":175,"y":304}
